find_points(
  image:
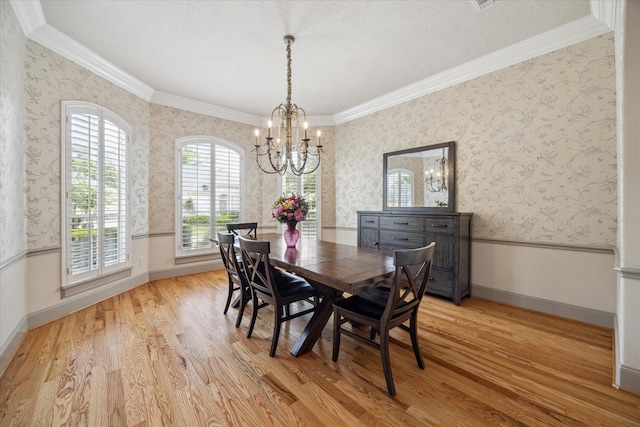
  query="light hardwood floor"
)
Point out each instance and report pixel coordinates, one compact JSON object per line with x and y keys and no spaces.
{"x":163,"y":354}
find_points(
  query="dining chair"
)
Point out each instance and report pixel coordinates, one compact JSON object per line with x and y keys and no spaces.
{"x":384,"y":309}
{"x":277,"y":288}
{"x":237,"y":278}
{"x":244,"y":228}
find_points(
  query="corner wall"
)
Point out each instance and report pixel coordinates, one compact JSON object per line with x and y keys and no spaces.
{"x":13,"y":304}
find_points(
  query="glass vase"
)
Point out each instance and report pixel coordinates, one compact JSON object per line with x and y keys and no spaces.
{"x":291,"y":234}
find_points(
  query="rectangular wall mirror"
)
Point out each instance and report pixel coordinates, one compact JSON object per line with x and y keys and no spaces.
{"x":420,"y":179}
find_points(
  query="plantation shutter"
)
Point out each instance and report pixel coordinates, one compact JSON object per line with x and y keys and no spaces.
{"x":399,"y":188}
{"x":96,"y":210}
{"x":115,"y":195}
{"x":227,"y":186}
{"x":195,"y":194}
{"x":209,"y":191}
{"x":307,"y":186}
{"x":85,"y":189}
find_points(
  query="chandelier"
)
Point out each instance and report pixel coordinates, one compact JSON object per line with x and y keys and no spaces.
{"x":286,"y":150}
{"x":436,"y":180}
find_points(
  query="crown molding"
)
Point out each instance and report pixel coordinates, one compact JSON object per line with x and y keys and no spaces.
{"x":187,"y":104}
{"x":602,"y":20}
{"x":31,"y":18}
{"x":320,"y":120}
{"x":563,"y":36}
{"x":605,"y":11}
{"x":30,"y":15}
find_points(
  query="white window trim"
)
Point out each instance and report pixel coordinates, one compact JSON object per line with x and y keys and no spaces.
{"x":196,"y":254}
{"x":74,"y":285}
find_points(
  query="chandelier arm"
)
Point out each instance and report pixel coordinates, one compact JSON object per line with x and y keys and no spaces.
{"x":279,"y":166}
{"x":312,"y":170}
{"x":273,"y":169}
{"x":298,"y":171}
{"x":288,"y":138}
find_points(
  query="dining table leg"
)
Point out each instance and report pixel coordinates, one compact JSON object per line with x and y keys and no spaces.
{"x":318,"y":321}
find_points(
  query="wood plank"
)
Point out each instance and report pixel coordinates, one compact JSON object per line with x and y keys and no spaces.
{"x":165,"y":354}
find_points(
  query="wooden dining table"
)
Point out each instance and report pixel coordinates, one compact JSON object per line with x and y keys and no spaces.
{"x":332,"y":269}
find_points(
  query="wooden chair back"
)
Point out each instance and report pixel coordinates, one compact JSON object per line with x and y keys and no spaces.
{"x":255,"y":258}
{"x":226,"y":242}
{"x":244,"y":228}
{"x":413,"y":268}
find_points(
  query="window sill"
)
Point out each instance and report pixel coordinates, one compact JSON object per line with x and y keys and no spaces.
{"x":187,"y":259}
{"x":76,"y":288}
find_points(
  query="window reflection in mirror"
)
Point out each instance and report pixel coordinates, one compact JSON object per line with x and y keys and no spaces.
{"x":400,"y":187}
{"x":420,"y":178}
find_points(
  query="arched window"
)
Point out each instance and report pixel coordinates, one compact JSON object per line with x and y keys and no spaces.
{"x":209,"y":186}
{"x":400,"y":188}
{"x":97,"y":234}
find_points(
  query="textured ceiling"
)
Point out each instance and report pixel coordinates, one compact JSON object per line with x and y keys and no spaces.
{"x":231,"y":54}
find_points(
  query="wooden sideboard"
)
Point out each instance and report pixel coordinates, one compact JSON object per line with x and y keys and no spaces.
{"x":450,"y":272}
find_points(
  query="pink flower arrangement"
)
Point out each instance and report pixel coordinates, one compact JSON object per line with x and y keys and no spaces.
{"x":293,"y":208}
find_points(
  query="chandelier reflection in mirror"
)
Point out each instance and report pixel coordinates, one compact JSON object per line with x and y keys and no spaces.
{"x":436,"y":178}
{"x":287,"y":150}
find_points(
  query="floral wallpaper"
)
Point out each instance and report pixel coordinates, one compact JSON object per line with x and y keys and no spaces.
{"x":535,"y":145}
{"x":169,"y":124}
{"x":50,"y":80}
{"x":12,"y":135}
{"x":535,"y":148}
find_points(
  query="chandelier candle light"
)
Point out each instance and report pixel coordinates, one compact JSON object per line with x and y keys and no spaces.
{"x":284,"y":153}
{"x":436,"y":178}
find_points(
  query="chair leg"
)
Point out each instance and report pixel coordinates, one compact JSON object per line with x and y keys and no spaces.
{"x":336,"y":335}
{"x":372,"y":334}
{"x":276,"y":330}
{"x":386,"y":362}
{"x":254,"y":313}
{"x":414,"y":339}
{"x":243,"y":304}
{"x":229,"y":296}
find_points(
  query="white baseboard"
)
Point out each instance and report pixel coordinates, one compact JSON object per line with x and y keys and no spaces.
{"x":8,"y":349}
{"x":183,"y":270}
{"x":581,"y":314}
{"x":85,"y":299}
{"x":629,"y":379}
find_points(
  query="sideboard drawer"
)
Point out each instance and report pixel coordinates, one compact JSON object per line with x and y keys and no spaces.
{"x":443,"y":225}
{"x":369,"y":221}
{"x":401,"y":238}
{"x":402,"y":223}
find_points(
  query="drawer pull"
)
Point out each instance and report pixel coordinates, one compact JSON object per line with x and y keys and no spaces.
{"x":369,"y":221}
{"x":400,"y":223}
{"x":400,"y":238}
{"x":439,"y":225}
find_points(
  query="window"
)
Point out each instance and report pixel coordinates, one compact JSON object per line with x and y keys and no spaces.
{"x":97,"y":235}
{"x":307,"y":185}
{"x":400,"y":188}
{"x":209,"y":185}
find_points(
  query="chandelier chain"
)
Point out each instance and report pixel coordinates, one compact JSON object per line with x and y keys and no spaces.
{"x":288,"y":72}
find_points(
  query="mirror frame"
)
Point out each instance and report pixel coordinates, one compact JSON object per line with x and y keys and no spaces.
{"x":451,"y":179}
